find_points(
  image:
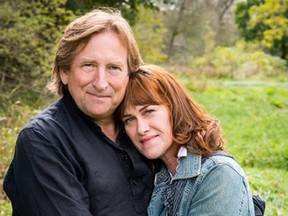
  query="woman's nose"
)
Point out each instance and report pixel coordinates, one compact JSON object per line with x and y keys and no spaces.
{"x":143,"y":126}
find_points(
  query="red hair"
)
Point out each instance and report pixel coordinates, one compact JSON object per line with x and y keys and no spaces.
{"x":192,"y":125}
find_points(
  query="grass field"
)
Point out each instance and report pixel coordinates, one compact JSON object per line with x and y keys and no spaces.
{"x":254,"y":119}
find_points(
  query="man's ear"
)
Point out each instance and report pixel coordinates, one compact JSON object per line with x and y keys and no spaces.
{"x":64,"y":76}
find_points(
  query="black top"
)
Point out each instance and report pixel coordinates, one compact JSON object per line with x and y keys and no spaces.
{"x":65,"y":165}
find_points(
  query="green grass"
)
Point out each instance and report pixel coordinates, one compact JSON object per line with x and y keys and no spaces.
{"x":254,"y":120}
{"x":271,"y":185}
{"x":11,"y":122}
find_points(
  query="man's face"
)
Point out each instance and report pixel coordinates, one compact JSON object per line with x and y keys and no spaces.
{"x":98,"y":75}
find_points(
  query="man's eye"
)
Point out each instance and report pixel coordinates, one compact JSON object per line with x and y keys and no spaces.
{"x":88,"y":67}
{"x":114,"y":68}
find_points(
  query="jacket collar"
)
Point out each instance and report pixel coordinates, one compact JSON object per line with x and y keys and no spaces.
{"x":188,"y":166}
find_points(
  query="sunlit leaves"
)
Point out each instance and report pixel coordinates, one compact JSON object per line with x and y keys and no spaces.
{"x":267,"y":22}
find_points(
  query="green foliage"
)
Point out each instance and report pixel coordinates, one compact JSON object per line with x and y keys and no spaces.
{"x":149,"y":32}
{"x":195,"y":26}
{"x":265,"y":21}
{"x":241,"y":62}
{"x":186,"y":26}
{"x":130,"y":9}
{"x":5,"y":208}
{"x":242,"y":18}
{"x":12,"y":121}
{"x":28,"y":35}
{"x":12,"y":118}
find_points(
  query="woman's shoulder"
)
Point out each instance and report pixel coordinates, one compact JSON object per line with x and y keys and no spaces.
{"x":224,"y":161}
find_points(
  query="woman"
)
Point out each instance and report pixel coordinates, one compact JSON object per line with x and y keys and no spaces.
{"x":196,"y":177}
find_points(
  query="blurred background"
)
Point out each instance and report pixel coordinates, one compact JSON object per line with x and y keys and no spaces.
{"x":231,"y":55}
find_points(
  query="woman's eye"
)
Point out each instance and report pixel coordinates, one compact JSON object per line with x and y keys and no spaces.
{"x":149,"y":111}
{"x":127,"y":121}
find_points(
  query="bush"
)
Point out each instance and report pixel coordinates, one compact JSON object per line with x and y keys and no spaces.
{"x":28,"y":35}
{"x":243,"y":61}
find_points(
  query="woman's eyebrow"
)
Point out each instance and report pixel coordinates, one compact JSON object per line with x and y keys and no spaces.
{"x":140,"y":110}
{"x":143,"y":108}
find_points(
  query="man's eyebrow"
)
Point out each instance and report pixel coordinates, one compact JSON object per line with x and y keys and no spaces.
{"x":85,"y":59}
{"x":118,"y":63}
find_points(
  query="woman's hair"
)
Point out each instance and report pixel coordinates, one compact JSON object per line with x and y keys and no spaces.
{"x":192,"y":125}
{"x":80,"y":31}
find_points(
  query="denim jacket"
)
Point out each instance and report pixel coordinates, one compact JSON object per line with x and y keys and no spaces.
{"x":216,"y":186}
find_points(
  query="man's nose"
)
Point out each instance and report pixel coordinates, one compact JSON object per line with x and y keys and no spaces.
{"x":100,"y":81}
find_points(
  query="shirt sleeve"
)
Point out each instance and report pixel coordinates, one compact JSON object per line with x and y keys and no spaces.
{"x":223,"y":191}
{"x":45,"y":179}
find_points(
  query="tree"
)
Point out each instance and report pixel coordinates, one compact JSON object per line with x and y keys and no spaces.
{"x":149,"y":32}
{"x":29,"y":31}
{"x":195,"y":25}
{"x":129,"y":8}
{"x":265,"y":21}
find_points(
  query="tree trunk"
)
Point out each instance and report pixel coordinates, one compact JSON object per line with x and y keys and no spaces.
{"x":175,"y":30}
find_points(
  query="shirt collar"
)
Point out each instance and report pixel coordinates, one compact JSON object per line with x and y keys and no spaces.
{"x":69,"y":102}
{"x":182,"y":152}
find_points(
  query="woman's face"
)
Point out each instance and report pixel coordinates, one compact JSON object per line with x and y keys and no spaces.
{"x":149,"y":127}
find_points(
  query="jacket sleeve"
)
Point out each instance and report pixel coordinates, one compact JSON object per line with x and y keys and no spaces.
{"x":223,"y":191}
{"x":42,"y":180}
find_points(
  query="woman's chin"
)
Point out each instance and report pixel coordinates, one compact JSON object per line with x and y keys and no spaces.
{"x":150,"y":156}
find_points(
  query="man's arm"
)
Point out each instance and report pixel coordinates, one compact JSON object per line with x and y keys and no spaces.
{"x":44,"y":179}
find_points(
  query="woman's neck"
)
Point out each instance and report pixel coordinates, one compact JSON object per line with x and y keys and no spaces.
{"x":170,"y":159}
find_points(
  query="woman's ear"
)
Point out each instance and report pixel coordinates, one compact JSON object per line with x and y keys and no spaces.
{"x":64,"y":76}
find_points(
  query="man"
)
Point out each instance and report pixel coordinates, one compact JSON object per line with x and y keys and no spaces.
{"x":74,"y":158}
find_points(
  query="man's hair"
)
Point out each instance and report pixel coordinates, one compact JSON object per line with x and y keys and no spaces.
{"x":80,"y":31}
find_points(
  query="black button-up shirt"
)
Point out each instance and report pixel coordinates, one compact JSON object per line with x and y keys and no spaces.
{"x":65,"y":165}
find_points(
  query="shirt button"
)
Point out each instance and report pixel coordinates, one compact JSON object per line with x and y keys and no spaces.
{"x":125,"y":157}
{"x":134,"y":181}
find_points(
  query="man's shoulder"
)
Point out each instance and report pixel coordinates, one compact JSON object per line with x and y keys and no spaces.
{"x":55,"y":113}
